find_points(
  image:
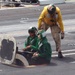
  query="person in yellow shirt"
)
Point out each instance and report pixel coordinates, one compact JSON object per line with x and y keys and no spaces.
{"x":51,"y":17}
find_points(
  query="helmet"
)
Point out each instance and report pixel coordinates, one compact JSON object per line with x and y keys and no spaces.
{"x":32,"y":29}
{"x":51,"y":9}
{"x":42,"y":33}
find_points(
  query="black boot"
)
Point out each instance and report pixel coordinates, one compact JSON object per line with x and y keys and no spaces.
{"x":60,"y":55}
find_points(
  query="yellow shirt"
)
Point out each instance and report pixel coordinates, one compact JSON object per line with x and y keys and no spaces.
{"x":45,"y":17}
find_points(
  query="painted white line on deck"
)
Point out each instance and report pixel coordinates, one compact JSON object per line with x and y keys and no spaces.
{"x":73,"y":62}
{"x":65,"y":51}
{"x":0,"y":70}
{"x":6,"y":8}
{"x":64,"y":54}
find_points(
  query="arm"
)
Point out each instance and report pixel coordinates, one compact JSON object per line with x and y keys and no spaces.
{"x":26,"y":42}
{"x":41,"y":18}
{"x":60,"y":21}
{"x":35,"y":47}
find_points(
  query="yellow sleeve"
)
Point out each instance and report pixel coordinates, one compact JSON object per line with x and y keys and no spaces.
{"x":41,"y":18}
{"x":60,"y":22}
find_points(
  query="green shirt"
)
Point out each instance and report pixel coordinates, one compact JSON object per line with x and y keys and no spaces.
{"x":33,"y":41}
{"x":45,"y":49}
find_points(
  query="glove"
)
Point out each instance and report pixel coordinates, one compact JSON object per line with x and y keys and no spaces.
{"x":62,"y":35}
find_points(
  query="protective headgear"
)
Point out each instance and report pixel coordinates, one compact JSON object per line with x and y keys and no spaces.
{"x":51,"y":9}
{"x":42,"y":33}
{"x":32,"y":30}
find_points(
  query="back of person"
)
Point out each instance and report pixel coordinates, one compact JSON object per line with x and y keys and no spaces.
{"x":43,"y":55}
{"x":45,"y":51}
{"x":44,"y":46}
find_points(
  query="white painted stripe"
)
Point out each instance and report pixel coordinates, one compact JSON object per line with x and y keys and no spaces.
{"x":65,"y":51}
{"x":31,"y":5}
{"x":27,"y":6}
{"x":72,"y":62}
{"x":64,"y":54}
{"x":6,"y":8}
{"x":0,"y":70}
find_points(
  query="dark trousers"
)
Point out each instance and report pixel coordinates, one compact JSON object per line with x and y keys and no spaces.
{"x":34,"y":60}
{"x":40,"y":61}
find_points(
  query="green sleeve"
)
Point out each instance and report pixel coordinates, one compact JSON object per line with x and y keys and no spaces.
{"x":26,"y":42}
{"x":35,"y":47}
{"x":47,"y":51}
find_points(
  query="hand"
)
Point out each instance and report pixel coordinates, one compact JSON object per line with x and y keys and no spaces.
{"x":62,"y":35}
{"x":23,"y":49}
{"x":35,"y":54}
{"x":26,"y":48}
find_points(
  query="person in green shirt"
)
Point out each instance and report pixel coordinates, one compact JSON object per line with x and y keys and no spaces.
{"x":31,"y":44}
{"x":43,"y":55}
{"x":37,"y":49}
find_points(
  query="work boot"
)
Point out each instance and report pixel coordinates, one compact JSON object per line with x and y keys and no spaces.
{"x":60,"y":55}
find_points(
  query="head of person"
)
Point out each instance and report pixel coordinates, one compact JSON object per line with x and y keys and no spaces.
{"x":41,"y":34}
{"x":51,"y":9}
{"x":32,"y":31}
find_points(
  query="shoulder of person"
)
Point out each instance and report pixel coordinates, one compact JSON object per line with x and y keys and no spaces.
{"x":57,"y":9}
